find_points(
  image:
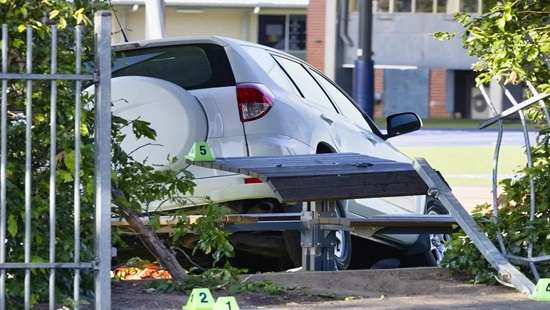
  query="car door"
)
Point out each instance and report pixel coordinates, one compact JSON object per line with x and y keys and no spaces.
{"x":342,"y":133}
{"x":370,"y":144}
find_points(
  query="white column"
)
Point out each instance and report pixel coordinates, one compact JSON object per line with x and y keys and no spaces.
{"x":331,"y":8}
{"x":154,"y":19}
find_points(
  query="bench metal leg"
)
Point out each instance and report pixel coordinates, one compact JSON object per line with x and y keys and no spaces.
{"x":317,"y":243}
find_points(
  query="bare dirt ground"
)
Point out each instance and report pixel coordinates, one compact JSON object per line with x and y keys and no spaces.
{"x":414,"y":288}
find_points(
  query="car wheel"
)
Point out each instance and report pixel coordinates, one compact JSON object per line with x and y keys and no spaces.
{"x":342,"y":251}
{"x":437,"y":241}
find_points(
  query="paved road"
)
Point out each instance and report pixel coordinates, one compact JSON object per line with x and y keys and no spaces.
{"x":459,"y":137}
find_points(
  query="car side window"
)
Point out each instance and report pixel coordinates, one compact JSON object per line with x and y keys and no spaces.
{"x":269,"y":66}
{"x":346,"y":106}
{"x":305,"y":83}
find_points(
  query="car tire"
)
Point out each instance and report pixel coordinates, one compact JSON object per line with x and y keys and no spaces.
{"x":437,"y":241}
{"x":342,"y":256}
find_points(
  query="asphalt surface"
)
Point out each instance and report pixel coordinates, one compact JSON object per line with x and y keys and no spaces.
{"x":460,"y":137}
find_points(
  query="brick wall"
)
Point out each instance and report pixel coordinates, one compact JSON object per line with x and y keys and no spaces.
{"x":315,"y":42}
{"x":378,"y":90}
{"x":438,"y":92}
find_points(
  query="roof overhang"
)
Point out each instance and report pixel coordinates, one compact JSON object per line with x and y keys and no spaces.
{"x":278,"y":4}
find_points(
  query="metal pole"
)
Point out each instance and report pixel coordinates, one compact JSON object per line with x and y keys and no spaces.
{"x":496,"y":158}
{"x":363,"y":83}
{"x":53,"y":163}
{"x":532,"y":207}
{"x":102,"y":31}
{"x":78,"y":90}
{"x":28,"y":171}
{"x":3,"y":162}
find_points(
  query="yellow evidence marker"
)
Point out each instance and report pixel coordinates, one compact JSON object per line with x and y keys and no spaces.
{"x":200,"y":299}
{"x":201,"y":151}
{"x":542,"y":291}
{"x":226,"y":303}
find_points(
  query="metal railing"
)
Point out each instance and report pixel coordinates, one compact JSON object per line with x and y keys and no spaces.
{"x":102,"y":78}
{"x":519,"y":108}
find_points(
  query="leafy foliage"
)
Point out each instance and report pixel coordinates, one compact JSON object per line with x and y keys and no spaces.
{"x":213,"y":239}
{"x":140,"y":183}
{"x":511,"y":41}
{"x":228,"y":279}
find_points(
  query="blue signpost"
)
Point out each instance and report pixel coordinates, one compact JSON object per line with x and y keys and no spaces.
{"x":363,"y":82}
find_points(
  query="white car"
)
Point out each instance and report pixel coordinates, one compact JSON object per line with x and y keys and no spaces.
{"x":246,"y":99}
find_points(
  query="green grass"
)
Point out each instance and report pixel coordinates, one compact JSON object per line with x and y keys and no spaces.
{"x":453,"y":123}
{"x":469,"y":165}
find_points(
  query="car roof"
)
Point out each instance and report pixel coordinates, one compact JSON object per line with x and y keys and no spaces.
{"x":218,"y":40}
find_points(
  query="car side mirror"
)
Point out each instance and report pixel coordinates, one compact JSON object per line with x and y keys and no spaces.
{"x":402,"y":123}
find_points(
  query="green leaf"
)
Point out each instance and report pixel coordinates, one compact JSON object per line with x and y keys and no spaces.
{"x":155,"y":222}
{"x":69,"y":160}
{"x":62,"y":23}
{"x":54,"y":13}
{"x":444,"y":35}
{"x":501,"y":24}
{"x":12,"y":225}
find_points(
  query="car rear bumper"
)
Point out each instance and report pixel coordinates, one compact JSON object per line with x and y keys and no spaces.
{"x":220,"y":186}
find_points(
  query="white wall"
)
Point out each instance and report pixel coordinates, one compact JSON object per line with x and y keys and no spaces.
{"x":239,"y":23}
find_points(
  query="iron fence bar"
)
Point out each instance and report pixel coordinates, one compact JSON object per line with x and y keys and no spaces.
{"x":541,"y":102}
{"x":525,"y":260}
{"x":102,"y":32}
{"x":516,"y":108}
{"x":28,"y":172}
{"x":78,"y":90}
{"x":81,"y":265}
{"x":496,"y":158}
{"x":53,"y":162}
{"x":3,"y":152}
{"x":531,"y":179}
{"x":48,"y":77}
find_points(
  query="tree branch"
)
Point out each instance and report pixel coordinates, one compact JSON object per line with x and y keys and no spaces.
{"x":148,"y":237}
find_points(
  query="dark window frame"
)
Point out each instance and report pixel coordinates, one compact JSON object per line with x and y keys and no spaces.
{"x":305,"y":67}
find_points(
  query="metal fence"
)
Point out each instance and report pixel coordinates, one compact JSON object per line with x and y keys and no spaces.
{"x":517,"y":107}
{"x":102,"y":78}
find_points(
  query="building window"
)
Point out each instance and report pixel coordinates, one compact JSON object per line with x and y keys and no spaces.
{"x":441,"y":6}
{"x":424,"y":6}
{"x":381,"y":6}
{"x":283,"y":32}
{"x":272,"y":31}
{"x":402,"y":6}
{"x":469,"y":6}
{"x":297,"y":33}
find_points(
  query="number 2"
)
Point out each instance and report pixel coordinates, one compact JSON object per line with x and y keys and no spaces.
{"x":202,"y":150}
{"x":203,"y":298}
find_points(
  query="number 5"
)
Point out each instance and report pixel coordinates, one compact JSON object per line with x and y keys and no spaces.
{"x":202,"y":150}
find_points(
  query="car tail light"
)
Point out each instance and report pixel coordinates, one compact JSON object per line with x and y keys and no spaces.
{"x":254,"y":101}
{"x":252,"y":181}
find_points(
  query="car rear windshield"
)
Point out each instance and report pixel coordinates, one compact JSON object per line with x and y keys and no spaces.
{"x":189,"y":66}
